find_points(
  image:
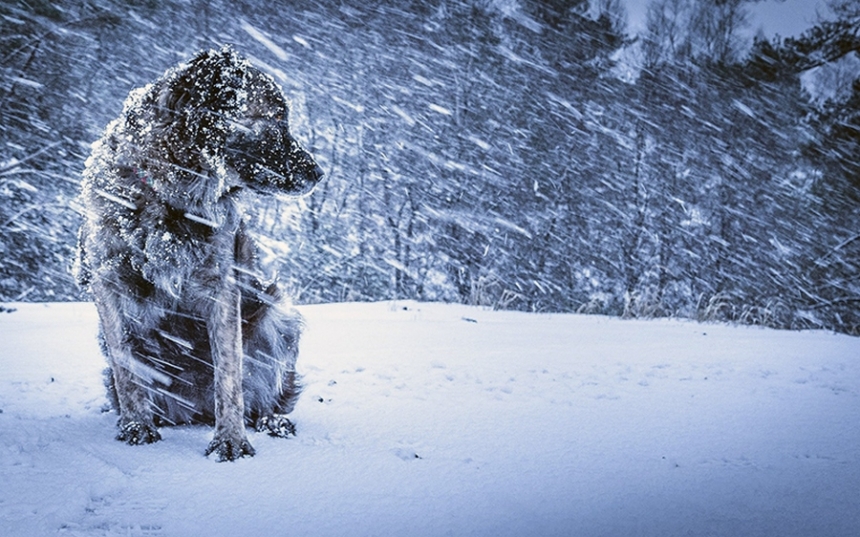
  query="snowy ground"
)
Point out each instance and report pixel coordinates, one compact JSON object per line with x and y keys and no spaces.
{"x":428,"y":419}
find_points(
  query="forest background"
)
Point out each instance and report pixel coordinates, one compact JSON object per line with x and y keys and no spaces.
{"x":528,"y":155}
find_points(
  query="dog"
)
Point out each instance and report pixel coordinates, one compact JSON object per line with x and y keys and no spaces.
{"x":192,"y":328}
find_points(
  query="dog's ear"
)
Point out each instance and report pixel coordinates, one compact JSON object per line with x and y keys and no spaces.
{"x":198,"y":100}
{"x":209,"y":82}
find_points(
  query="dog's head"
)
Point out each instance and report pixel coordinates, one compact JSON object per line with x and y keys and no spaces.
{"x":221,"y":110}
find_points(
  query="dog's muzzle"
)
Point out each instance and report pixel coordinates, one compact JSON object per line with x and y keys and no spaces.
{"x":271,"y":159}
{"x":306,"y":172}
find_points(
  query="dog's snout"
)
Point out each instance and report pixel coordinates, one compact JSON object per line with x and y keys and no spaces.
{"x":303,"y":162}
{"x":271,"y":159}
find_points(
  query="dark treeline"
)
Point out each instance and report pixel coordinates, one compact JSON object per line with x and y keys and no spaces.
{"x":488,"y":152}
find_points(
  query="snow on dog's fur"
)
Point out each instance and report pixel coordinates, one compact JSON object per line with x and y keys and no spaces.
{"x":192,"y":329}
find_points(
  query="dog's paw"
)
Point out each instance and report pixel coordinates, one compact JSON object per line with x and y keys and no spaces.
{"x":227,"y":448}
{"x":135,"y":433}
{"x":276,"y":425}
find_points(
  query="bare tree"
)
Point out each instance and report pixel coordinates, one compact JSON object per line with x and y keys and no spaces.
{"x":666,"y":32}
{"x":715,"y":27}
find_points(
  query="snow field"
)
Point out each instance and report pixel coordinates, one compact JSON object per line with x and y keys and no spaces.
{"x":432,"y":419}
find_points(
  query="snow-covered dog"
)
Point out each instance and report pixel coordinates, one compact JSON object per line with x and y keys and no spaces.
{"x":192,"y":330}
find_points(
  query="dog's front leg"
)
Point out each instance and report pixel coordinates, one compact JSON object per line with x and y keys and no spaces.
{"x":136,"y":425}
{"x":225,"y":334}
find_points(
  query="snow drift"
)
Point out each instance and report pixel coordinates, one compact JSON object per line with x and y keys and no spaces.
{"x":430,"y":419}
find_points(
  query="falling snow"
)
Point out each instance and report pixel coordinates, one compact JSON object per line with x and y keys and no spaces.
{"x":501,"y":154}
{"x":488,"y":153}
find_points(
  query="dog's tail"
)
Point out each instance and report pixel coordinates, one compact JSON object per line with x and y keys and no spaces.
{"x":271,"y":329}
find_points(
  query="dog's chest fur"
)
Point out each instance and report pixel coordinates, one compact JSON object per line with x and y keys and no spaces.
{"x":174,"y":242}
{"x":175,"y":248}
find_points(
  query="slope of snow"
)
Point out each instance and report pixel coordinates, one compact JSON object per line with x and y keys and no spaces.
{"x":430,"y":419}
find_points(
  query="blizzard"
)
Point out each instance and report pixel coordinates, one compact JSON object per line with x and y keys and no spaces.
{"x":432,"y":419}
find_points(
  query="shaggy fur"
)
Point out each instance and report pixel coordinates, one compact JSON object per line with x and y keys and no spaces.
{"x":192,"y":330}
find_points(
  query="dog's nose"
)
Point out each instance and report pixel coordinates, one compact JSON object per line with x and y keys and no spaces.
{"x":305,"y":164}
{"x":317,"y":173}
